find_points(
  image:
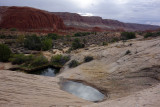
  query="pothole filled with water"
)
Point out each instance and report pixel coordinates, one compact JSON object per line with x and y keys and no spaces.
{"x":52,"y":72}
{"x":83,"y":91}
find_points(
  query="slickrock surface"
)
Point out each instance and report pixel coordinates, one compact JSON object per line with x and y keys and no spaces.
{"x":146,"y":98}
{"x":24,"y":90}
{"x":128,"y":80}
{"x":115,"y":73}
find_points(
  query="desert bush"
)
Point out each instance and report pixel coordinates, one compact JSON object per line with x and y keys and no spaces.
{"x":32,"y":42}
{"x":13,"y":29}
{"x":68,"y":37}
{"x":73,"y":64}
{"x":38,"y":43}
{"x":46,"y":44}
{"x":20,"y":39}
{"x":127,"y":35}
{"x":104,"y":43}
{"x":2,"y":36}
{"x":127,"y":52}
{"x":29,"y":60}
{"x":17,"y":59}
{"x":5,"y":53}
{"x":39,"y":61}
{"x":76,"y":44}
{"x":88,"y":58}
{"x":84,"y":41}
{"x":52,"y":36}
{"x":59,"y":60}
{"x":79,"y":34}
{"x":149,"y":34}
{"x":114,"y":39}
{"x":158,"y":33}
{"x":21,"y":58}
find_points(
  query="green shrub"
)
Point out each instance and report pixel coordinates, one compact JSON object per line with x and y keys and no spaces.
{"x":46,"y":44}
{"x":79,"y":34}
{"x":88,"y":58}
{"x":127,"y":35}
{"x":149,"y":34}
{"x":76,"y":44}
{"x":20,"y":39}
{"x":84,"y":41}
{"x":38,"y":43}
{"x":115,"y":39}
{"x":29,"y":60}
{"x":68,"y":37}
{"x":73,"y":64}
{"x":13,"y":29}
{"x":52,"y":36}
{"x":32,"y":42}
{"x":2,"y":36}
{"x":104,"y":43}
{"x":59,"y":60}
{"x":39,"y":61}
{"x":17,"y":59}
{"x":127,"y":52}
{"x":5,"y":53}
{"x":158,"y":33}
{"x":21,"y":58}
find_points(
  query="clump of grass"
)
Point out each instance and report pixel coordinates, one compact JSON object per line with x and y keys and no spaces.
{"x":88,"y":58}
{"x":73,"y":63}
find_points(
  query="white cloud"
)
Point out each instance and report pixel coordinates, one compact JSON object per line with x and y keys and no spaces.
{"x":86,"y":14}
{"x":84,"y":4}
{"x":153,"y":23}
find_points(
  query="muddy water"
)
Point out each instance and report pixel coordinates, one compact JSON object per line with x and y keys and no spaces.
{"x":83,"y":91}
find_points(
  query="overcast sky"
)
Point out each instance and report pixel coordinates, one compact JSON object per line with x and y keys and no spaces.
{"x":135,"y":11}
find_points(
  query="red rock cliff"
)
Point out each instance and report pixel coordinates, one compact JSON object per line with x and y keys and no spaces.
{"x":30,"y":18}
{"x":76,"y":20}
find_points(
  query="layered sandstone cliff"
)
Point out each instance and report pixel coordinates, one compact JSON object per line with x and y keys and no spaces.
{"x":76,"y":20}
{"x":29,"y":18}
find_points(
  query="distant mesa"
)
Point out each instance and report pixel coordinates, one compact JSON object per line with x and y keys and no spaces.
{"x":78,"y":21}
{"x":27,"y":18}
